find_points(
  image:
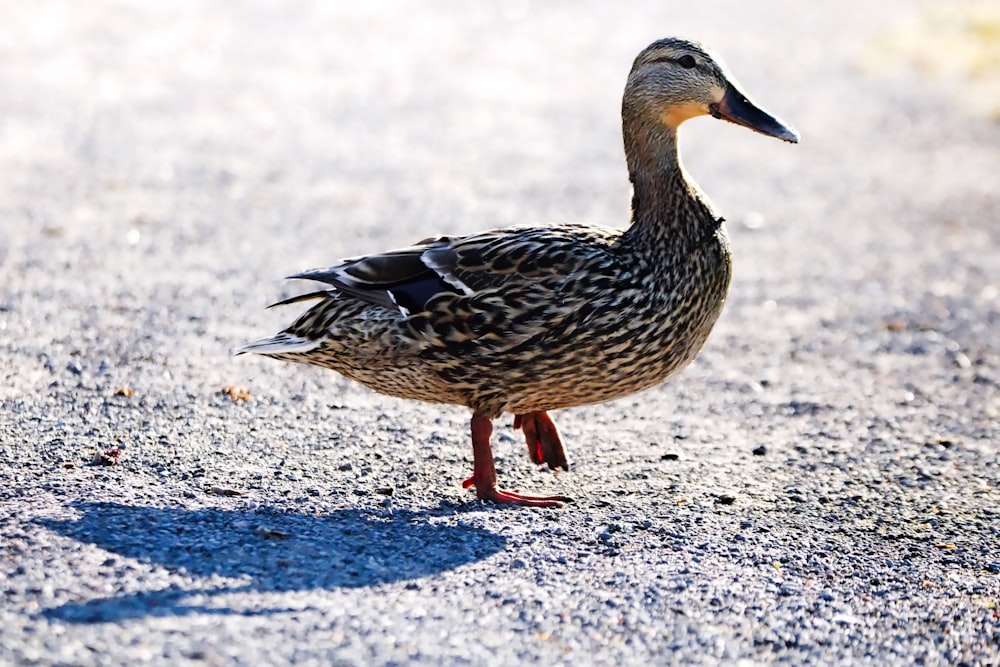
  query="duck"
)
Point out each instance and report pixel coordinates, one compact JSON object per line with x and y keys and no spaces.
{"x":525,"y":320}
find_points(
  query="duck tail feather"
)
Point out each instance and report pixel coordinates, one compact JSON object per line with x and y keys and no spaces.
{"x":282,"y":343}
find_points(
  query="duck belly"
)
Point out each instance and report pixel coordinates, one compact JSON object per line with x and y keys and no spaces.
{"x":586,"y":375}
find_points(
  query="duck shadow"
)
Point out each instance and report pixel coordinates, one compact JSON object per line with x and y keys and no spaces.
{"x":264,"y":551}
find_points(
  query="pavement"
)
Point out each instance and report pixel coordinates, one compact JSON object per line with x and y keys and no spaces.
{"x":819,"y":487}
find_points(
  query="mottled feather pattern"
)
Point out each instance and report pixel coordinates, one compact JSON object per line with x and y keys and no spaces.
{"x":545,"y":330}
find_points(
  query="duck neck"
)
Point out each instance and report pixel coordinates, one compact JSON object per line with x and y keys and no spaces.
{"x":666,"y":206}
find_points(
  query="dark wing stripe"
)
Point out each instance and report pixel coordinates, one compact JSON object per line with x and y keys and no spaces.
{"x":399,"y":280}
{"x":377,"y":295}
{"x":388,"y":269}
{"x":330,"y":276}
{"x":301,"y":297}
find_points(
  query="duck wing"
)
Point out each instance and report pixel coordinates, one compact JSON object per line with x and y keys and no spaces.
{"x":512,"y":260}
{"x":398,"y":279}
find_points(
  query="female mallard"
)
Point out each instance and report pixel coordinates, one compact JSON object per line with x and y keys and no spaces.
{"x":531,"y":319}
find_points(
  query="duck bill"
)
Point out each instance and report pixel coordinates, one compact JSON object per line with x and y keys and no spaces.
{"x":737,"y":108}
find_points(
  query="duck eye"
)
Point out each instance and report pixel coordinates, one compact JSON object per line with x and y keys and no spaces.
{"x":687,"y":61}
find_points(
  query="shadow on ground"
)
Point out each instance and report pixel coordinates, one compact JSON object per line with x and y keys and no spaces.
{"x":263,"y":551}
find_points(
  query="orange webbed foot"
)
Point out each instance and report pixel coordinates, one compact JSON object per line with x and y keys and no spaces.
{"x":502,"y":497}
{"x":484,"y":475}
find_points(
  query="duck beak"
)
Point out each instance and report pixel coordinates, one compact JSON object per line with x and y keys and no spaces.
{"x":737,"y":108}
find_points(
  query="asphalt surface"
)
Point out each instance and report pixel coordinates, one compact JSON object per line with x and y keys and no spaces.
{"x":821,"y":487}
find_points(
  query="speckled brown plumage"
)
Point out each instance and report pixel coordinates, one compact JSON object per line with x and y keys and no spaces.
{"x":530,"y":319}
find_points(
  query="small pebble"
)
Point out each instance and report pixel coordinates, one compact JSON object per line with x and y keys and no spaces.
{"x":223,"y":491}
{"x":753,"y":220}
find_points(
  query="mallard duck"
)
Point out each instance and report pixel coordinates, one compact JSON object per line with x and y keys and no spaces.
{"x":525,"y":320}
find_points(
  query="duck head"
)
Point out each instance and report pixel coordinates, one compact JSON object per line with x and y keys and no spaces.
{"x":673,"y":80}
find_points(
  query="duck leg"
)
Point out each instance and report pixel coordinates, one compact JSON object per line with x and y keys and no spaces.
{"x":484,"y":472}
{"x":542,"y":436}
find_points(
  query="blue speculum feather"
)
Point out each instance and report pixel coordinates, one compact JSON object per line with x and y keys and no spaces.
{"x":413,"y":296}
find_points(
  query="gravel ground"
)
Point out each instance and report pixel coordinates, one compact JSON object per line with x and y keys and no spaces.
{"x":820,"y":487}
